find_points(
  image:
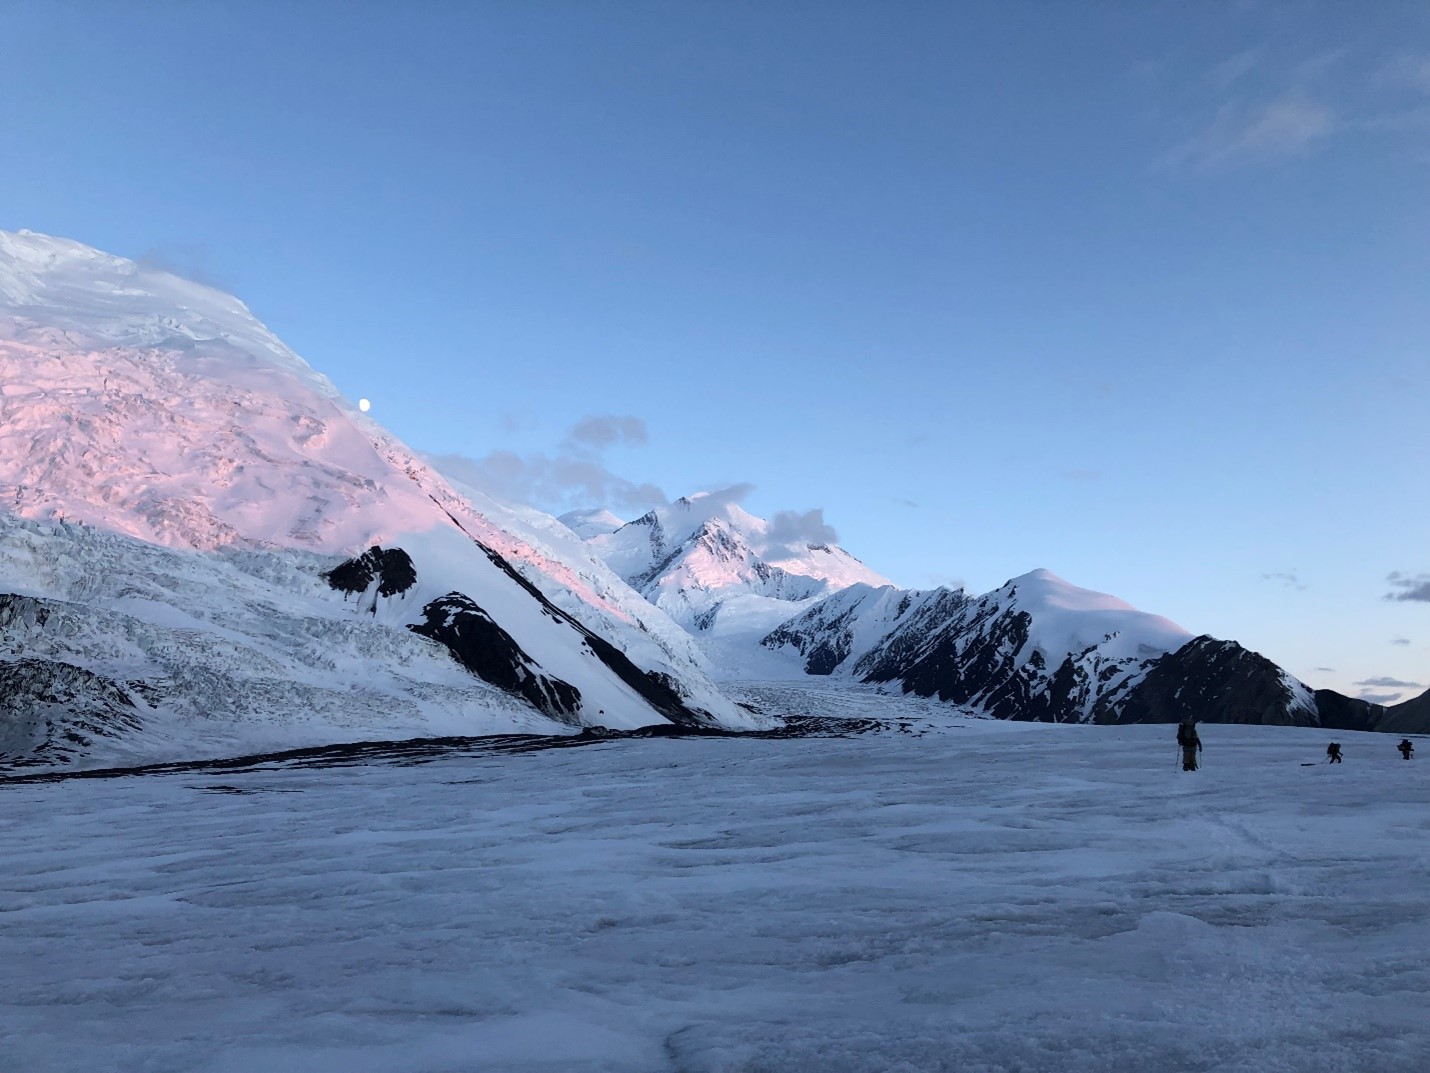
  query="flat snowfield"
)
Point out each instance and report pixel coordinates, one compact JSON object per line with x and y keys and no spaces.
{"x":969,"y":898}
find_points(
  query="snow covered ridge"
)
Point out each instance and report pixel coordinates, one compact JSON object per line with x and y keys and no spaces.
{"x":715,"y":568}
{"x":154,"y":426}
{"x":1038,"y":648}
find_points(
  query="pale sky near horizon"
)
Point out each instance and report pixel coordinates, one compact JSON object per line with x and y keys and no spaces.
{"x":1139,"y":293}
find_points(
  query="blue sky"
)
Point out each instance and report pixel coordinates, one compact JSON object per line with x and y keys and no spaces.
{"x":1139,"y":293}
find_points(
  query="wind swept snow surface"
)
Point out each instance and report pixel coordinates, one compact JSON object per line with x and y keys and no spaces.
{"x":943,"y":898}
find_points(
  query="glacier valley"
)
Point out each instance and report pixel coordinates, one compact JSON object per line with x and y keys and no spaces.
{"x":938,"y":895}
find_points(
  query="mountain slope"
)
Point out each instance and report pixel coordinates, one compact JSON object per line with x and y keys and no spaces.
{"x":1038,"y":648}
{"x":1408,"y":717}
{"x":716,"y":569}
{"x":1035,"y":648}
{"x":139,"y":410}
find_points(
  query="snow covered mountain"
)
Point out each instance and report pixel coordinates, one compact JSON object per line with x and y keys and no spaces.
{"x":720,"y":571}
{"x":1040,"y":648}
{"x":203,"y":545}
{"x":1036,"y":648}
{"x":590,"y":523}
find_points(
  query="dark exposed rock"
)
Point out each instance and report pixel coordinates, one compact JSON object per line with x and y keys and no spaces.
{"x":964,"y":673}
{"x":1408,"y":717}
{"x":916,"y":631}
{"x":975,"y":653}
{"x":706,"y":619}
{"x":824,"y":657}
{"x":824,"y":634}
{"x":489,"y":652}
{"x":391,"y":567}
{"x":972,"y":660}
{"x":824,"y":642}
{"x":1340,"y":712}
{"x":424,"y":750}
{"x":658,"y":690}
{"x":1210,"y":681}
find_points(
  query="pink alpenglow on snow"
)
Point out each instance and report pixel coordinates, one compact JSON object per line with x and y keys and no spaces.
{"x":159,"y":411}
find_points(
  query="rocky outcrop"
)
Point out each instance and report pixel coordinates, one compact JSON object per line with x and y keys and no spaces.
{"x":823,"y":635}
{"x":1213,"y":681}
{"x":1340,"y":712}
{"x":981,"y":653}
{"x":863,"y":626}
{"x":1408,"y":717}
{"x":391,"y":568}
{"x":489,"y":652}
{"x":661,"y":691}
{"x":994,"y":655}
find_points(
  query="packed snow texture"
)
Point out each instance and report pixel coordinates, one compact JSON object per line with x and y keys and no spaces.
{"x":135,"y":404}
{"x":940,"y":897}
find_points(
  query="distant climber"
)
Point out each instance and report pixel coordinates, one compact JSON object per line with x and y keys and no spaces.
{"x":1407,"y":750}
{"x":1191,"y":744}
{"x":1333,"y":753}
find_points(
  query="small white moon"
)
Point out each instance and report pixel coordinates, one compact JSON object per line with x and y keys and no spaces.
{"x":364,"y":405}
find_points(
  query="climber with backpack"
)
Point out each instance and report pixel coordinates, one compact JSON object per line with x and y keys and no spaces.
{"x":1191,"y":744}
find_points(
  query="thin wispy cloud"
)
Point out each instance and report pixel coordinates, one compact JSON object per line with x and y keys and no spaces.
{"x":1408,"y":71}
{"x":1288,"y":578}
{"x":1386,"y":682}
{"x":1408,"y":587}
{"x":1400,"y":640}
{"x":946,"y":581}
{"x":1226,"y":74}
{"x":1379,"y":698}
{"x":187,"y":260}
{"x":1257,"y":108}
{"x":1241,"y":133}
{"x":733,"y":493}
{"x":576,"y":474}
{"x":794,"y":531}
{"x":599,"y":433}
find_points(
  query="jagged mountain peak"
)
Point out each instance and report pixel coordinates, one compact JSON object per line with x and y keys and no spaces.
{"x":705,"y":560}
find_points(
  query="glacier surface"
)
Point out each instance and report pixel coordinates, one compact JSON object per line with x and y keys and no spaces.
{"x":946,"y":895}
